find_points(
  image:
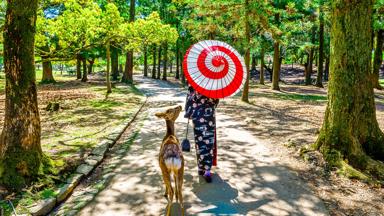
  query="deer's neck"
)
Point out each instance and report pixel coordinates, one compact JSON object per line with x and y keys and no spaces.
{"x":170,"y":128}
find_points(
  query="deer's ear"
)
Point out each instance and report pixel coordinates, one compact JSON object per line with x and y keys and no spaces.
{"x":159,"y":115}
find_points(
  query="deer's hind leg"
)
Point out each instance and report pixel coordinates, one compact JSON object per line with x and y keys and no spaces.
{"x":179,"y":184}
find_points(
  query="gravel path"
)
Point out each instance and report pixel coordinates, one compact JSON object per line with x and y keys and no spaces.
{"x":248,"y":181}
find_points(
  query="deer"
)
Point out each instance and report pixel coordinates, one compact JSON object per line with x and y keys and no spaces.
{"x":171,"y":159}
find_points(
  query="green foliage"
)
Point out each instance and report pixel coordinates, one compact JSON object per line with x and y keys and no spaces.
{"x":83,"y":26}
{"x":378,"y":15}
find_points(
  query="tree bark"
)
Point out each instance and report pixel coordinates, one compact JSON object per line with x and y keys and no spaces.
{"x":276,"y":66}
{"x":115,"y":63}
{"x":254,"y":62}
{"x":276,"y":60}
{"x":319,"y":80}
{"x":154,"y":63}
{"x":128,"y":72}
{"x":85,"y":74}
{"x":78,"y":66}
{"x":145,"y":62}
{"x":165,"y":61}
{"x":47,"y":72}
{"x":177,"y":75}
{"x":308,"y":79}
{"x":108,"y":77}
{"x":90,"y":66}
{"x":247,"y":57}
{"x":20,"y":149}
{"x":159,"y":64}
{"x":262,"y":66}
{"x":326,"y":71}
{"x":350,"y":130}
{"x":378,"y":58}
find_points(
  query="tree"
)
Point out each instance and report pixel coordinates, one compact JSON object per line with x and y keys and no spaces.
{"x":113,"y":25}
{"x":378,"y":26}
{"x":247,"y":57}
{"x":47,"y":71}
{"x":154,"y":62}
{"x":85,"y":72}
{"x":378,"y":58}
{"x":45,"y":41}
{"x":320,"y":69}
{"x":128,"y":72}
{"x":262,"y":54}
{"x":20,"y":150}
{"x":165,"y":61}
{"x":309,"y":69}
{"x":115,"y":62}
{"x":159,"y":64}
{"x":350,"y":132}
{"x":145,"y":61}
{"x":78,"y":66}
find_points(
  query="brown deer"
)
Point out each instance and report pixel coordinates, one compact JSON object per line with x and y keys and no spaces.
{"x":171,"y":159}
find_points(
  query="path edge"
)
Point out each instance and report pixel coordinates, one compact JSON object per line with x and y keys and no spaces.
{"x":45,"y":206}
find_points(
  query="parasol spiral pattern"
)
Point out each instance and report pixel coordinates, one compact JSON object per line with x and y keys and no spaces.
{"x":214,"y":69}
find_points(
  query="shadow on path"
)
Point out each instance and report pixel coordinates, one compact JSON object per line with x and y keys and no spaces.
{"x":248,"y":181}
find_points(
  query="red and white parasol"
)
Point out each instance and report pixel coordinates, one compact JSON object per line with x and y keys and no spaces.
{"x":214,"y":69}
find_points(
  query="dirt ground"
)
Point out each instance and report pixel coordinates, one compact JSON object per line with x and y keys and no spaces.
{"x":291,"y":119}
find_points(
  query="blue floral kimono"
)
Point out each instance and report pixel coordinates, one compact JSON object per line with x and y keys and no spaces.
{"x":201,"y":110}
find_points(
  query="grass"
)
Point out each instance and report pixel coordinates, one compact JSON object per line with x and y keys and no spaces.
{"x":87,"y":115}
{"x":296,"y":96}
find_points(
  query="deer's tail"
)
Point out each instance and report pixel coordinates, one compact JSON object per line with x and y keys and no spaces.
{"x":173,"y":163}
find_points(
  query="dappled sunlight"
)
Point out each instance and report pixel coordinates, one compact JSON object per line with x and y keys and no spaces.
{"x":247,"y":181}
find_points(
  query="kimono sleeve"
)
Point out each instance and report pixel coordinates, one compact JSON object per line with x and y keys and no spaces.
{"x":189,"y":103}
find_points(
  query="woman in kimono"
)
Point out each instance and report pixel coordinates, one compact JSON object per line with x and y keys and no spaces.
{"x":201,"y":110}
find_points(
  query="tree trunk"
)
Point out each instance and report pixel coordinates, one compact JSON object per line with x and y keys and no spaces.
{"x":128,"y":72}
{"x":78,"y":66}
{"x":350,"y":130}
{"x":20,"y":149}
{"x":262,"y":66}
{"x":154,"y":63}
{"x":165,"y":61}
{"x":85,"y":74}
{"x":247,"y":57}
{"x":121,"y":66}
{"x":326,"y":72}
{"x":145,"y":62}
{"x":182,"y":75}
{"x":177,"y":75}
{"x":109,"y":88}
{"x":276,"y":67}
{"x":319,"y":80}
{"x":159,"y":64}
{"x":253,"y":68}
{"x":308,"y":79}
{"x":90,"y":66}
{"x":378,"y":59}
{"x":115,"y":63}
{"x":47,"y":72}
{"x":276,"y":60}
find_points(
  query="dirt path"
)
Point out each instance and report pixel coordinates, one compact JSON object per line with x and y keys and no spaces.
{"x":249,"y":180}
